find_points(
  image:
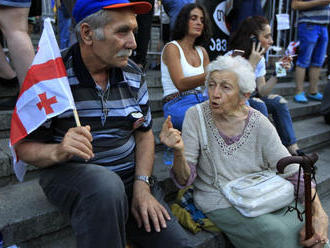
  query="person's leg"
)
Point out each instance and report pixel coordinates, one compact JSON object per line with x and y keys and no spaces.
{"x":277,"y":106}
{"x":94,"y":198}
{"x":6,"y":71}
{"x":14,"y":25}
{"x":64,"y":24}
{"x":143,"y":35}
{"x":308,"y":36}
{"x":172,"y":236}
{"x":177,"y":108}
{"x":300,"y":78}
{"x":259,"y":105}
{"x":318,"y":58}
{"x":314,"y":75}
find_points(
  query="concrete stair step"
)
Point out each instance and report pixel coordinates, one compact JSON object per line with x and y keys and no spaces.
{"x":7,"y":176}
{"x":27,"y":219}
{"x":311,"y":132}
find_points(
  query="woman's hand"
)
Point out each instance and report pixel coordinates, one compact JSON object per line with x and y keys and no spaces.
{"x":171,"y":136}
{"x":286,"y":62}
{"x":320,"y":236}
{"x":256,"y":54}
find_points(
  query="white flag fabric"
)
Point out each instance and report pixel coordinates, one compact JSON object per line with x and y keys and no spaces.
{"x":45,"y":93}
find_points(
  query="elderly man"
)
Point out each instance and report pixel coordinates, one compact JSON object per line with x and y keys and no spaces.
{"x":96,"y":171}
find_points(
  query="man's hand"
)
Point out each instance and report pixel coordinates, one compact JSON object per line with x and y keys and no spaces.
{"x":320,"y":236}
{"x":171,"y":136}
{"x":145,"y":208}
{"x":76,"y":142}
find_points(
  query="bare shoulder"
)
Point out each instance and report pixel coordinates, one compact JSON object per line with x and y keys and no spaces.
{"x":170,"y":52}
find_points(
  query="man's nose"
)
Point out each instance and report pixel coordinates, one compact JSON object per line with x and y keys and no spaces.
{"x":131,"y":43}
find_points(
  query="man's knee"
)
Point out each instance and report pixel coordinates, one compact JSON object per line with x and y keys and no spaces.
{"x":108,"y":189}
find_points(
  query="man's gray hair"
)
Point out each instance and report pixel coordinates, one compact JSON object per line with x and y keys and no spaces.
{"x":240,"y":66}
{"x":96,"y":21}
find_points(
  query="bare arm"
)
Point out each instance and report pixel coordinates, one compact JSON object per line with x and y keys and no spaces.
{"x":76,"y":142}
{"x":264,"y":88}
{"x":172,"y":138}
{"x":144,"y":206}
{"x":171,"y":57}
{"x":303,"y":5}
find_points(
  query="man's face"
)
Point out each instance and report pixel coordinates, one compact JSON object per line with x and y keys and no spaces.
{"x":119,"y":41}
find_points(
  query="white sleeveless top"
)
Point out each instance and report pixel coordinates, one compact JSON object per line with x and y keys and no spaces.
{"x":187,"y":69}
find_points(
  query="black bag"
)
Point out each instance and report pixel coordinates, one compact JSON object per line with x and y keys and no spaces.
{"x":325,"y":105}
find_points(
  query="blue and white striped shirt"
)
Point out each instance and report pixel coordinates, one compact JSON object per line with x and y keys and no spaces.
{"x":113,"y":114}
{"x":316,"y":15}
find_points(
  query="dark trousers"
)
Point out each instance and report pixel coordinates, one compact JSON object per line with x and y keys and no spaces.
{"x":97,"y":202}
{"x":143,"y":35}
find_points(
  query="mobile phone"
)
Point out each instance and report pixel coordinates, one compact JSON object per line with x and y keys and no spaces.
{"x":255,"y":40}
{"x":237,"y":52}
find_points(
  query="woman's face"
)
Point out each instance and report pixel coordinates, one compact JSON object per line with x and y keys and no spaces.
{"x":265,"y":37}
{"x":223,"y":92}
{"x":196,"y":22}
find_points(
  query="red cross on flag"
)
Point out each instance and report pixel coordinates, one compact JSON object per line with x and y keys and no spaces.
{"x":45,"y":93}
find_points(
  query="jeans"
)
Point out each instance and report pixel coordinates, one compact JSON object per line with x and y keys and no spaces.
{"x":177,"y":108}
{"x":97,"y":202}
{"x":277,"y":106}
{"x":143,"y":35}
{"x":64,"y":26}
{"x":313,"y":44}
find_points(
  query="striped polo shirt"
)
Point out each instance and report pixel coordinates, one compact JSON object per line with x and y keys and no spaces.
{"x":316,"y":15}
{"x":113,"y":114}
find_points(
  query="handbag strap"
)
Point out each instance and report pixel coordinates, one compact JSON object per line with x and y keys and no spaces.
{"x":204,"y":144}
{"x":203,"y":128}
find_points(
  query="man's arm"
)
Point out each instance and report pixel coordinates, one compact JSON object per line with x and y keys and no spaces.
{"x":144,"y":206}
{"x":76,"y":142}
{"x":302,"y":5}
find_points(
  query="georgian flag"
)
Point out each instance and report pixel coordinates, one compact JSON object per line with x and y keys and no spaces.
{"x":44,"y":94}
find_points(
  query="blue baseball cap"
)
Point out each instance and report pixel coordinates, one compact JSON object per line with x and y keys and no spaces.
{"x":84,"y":8}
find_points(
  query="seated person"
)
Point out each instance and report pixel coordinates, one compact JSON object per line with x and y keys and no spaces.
{"x":258,"y":27}
{"x":183,"y":61}
{"x":240,"y":141}
{"x":97,"y":172}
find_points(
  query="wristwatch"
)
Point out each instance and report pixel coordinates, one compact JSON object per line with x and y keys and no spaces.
{"x":149,"y":180}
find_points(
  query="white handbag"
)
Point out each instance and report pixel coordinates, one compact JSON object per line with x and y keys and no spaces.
{"x":259,"y":193}
{"x":253,"y":194}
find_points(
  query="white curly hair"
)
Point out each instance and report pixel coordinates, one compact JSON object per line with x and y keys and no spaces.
{"x":238,"y":65}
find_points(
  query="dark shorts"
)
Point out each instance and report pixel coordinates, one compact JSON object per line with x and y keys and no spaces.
{"x":313,"y":44}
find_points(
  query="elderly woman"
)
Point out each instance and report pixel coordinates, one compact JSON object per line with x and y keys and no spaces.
{"x":240,"y":141}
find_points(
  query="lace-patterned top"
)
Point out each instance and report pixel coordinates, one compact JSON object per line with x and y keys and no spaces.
{"x":257,"y":148}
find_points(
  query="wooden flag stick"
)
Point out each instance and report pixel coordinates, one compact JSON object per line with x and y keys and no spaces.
{"x":76,"y":117}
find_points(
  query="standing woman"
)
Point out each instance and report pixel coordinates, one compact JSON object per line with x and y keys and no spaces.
{"x":183,"y":63}
{"x":254,"y":38}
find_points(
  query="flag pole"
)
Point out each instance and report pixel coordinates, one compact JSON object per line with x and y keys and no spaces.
{"x":76,"y":117}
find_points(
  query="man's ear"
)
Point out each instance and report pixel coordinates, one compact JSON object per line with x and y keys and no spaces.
{"x":86,"y":34}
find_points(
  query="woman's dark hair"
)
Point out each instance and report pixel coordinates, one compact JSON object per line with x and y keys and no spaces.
{"x":180,"y":28}
{"x":241,"y":39}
